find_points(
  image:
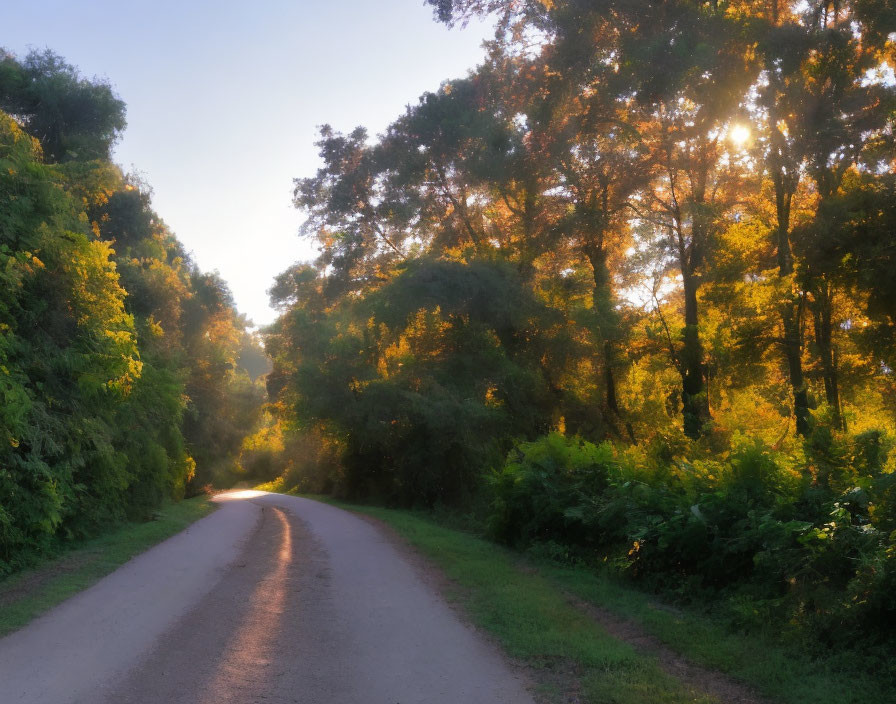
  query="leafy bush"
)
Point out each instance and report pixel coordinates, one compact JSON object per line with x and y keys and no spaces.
{"x":552,"y":489}
{"x":774,"y":540}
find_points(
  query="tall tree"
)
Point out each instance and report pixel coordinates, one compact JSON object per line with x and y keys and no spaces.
{"x":73,"y":117}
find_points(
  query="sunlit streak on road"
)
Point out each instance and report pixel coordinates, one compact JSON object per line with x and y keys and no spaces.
{"x":239,"y":495}
{"x":242,"y":668}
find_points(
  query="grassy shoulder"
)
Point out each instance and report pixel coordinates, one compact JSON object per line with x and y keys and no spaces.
{"x":781,"y":672}
{"x":525,"y":604}
{"x":26,"y":595}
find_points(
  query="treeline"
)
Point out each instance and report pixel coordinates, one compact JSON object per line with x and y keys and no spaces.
{"x":628,"y":291}
{"x":120,"y":383}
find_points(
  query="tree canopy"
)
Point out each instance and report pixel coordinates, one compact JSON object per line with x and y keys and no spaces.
{"x":664,"y":227}
{"x":119,"y":369}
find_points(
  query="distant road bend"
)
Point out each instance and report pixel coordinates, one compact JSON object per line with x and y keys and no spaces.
{"x":270,"y":599}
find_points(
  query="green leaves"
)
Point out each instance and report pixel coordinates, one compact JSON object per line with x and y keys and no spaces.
{"x":428,"y":377}
{"x":75,"y":118}
{"x":108,"y":334}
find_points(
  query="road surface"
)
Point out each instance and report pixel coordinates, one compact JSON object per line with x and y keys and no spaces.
{"x":269,"y":599}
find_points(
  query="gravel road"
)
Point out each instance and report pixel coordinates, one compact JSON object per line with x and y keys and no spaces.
{"x":270,"y":599}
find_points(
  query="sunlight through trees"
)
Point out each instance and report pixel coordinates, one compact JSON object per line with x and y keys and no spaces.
{"x":627,"y":287}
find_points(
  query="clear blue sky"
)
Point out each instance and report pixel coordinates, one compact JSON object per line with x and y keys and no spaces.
{"x":224,"y":99}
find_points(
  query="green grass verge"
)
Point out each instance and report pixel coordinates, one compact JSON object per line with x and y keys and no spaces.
{"x":521,"y":602}
{"x":28,"y":594}
{"x":780,"y":671}
{"x":533,"y":621}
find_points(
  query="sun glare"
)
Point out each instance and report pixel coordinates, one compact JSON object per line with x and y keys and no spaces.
{"x":739,"y":135}
{"x":239,"y":495}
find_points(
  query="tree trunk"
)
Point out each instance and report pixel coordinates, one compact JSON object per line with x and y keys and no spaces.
{"x":821,"y":315}
{"x":694,"y":397}
{"x":602,"y":299}
{"x":793,"y":350}
{"x":793,"y":355}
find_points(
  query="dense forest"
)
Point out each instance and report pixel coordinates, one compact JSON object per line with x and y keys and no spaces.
{"x":626,"y":295}
{"x":127,"y":377}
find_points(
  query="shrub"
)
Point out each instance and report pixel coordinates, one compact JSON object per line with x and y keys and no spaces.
{"x":815,"y":548}
{"x":551,"y":490}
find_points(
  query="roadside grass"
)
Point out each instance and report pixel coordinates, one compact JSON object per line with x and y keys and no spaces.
{"x":28,"y":594}
{"x":780,"y":671}
{"x":523,"y":602}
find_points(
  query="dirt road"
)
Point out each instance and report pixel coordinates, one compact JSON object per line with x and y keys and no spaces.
{"x":270,"y":599}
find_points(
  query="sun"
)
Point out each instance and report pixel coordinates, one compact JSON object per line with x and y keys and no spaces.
{"x":739,"y":135}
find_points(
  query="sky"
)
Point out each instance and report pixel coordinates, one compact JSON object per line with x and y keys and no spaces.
{"x":224,"y":99}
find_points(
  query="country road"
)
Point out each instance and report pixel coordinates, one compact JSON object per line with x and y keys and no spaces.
{"x":269,"y":599}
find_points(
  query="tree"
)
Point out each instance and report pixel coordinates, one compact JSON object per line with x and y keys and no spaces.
{"x":73,"y":117}
{"x":816,"y":113}
{"x":677,"y":237}
{"x":105,"y":327}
